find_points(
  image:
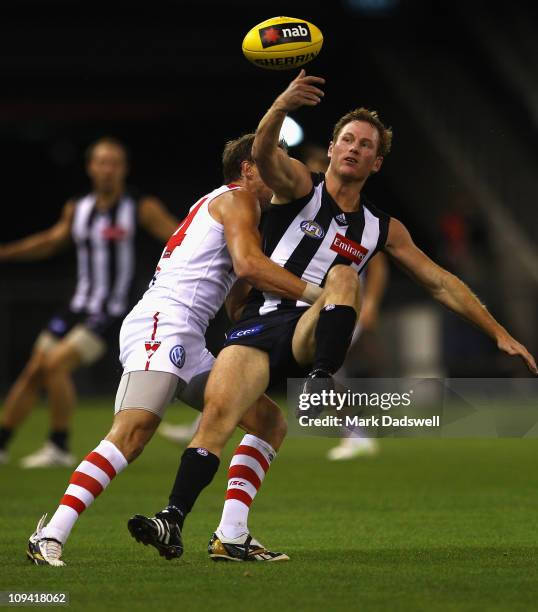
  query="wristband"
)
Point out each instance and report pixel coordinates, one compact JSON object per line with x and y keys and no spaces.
{"x":311,"y":293}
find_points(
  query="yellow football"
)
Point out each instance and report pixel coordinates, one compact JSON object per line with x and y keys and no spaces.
{"x":282,"y":43}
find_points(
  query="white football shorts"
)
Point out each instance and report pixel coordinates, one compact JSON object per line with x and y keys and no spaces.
{"x":160,"y":342}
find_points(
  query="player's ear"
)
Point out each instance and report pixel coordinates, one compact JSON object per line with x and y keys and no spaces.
{"x":247,"y":169}
{"x":377,"y":164}
{"x":330,"y":149}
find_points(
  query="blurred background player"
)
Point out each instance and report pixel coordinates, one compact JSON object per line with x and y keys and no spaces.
{"x":102,"y":226}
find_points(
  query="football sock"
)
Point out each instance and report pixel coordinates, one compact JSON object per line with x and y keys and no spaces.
{"x":197,"y":468}
{"x":248,"y":467}
{"x":87,"y":482}
{"x":59,"y":438}
{"x":5,"y":436}
{"x":333,"y":336}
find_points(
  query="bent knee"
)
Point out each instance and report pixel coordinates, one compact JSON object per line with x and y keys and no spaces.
{"x":34,"y":371}
{"x":343,"y":275}
{"x":266,"y":420}
{"x":215,"y":411}
{"x":131,"y":432}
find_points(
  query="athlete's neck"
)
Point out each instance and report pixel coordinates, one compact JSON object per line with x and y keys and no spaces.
{"x":346,"y":194}
{"x":106,"y":199}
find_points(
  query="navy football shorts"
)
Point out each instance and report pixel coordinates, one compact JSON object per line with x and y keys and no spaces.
{"x":273,"y":334}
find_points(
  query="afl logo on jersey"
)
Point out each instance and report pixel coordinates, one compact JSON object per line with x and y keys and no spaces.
{"x":177,"y":356}
{"x":312,"y":229}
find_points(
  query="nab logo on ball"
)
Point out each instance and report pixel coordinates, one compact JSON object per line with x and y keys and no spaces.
{"x":177,"y":356}
{"x":282,"y":43}
{"x":285,"y":33}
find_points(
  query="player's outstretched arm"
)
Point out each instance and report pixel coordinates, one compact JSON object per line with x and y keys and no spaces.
{"x":287,"y":177}
{"x":43,"y":244}
{"x":450,"y":291}
{"x":239,"y":214}
{"x":155,"y":218}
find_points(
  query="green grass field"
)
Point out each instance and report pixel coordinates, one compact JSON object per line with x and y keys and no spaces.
{"x":426,"y":525}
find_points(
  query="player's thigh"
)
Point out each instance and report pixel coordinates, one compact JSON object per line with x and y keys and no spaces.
{"x":303,"y":343}
{"x":146,"y":391}
{"x":61,"y":358}
{"x":35,"y":366}
{"x":82,"y":346}
{"x":193,"y":393}
{"x":238,"y":378}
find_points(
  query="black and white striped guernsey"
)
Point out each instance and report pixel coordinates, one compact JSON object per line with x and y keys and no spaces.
{"x":105,"y":242}
{"x":311,"y":235}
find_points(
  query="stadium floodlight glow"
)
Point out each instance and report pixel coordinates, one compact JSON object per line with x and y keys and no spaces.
{"x":291,"y":132}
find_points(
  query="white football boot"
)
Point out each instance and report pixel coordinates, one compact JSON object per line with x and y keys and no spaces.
{"x":49,"y":455}
{"x":44,"y":551}
{"x":351,"y":448}
{"x":180,"y":434}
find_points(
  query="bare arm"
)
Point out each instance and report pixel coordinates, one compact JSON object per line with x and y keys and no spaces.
{"x":450,"y":291}
{"x":156,"y":220}
{"x":288,"y":178}
{"x":239,"y":214}
{"x":43,"y":244}
{"x":374,"y":289}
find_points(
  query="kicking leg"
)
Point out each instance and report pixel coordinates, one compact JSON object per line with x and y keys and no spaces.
{"x":323,"y":334}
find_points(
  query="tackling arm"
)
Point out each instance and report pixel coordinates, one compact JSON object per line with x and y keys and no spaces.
{"x":449,"y":290}
{"x":239,"y":214}
{"x":43,"y":244}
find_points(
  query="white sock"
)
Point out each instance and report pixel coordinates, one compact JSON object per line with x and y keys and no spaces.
{"x":248,"y":467}
{"x":90,"y":478}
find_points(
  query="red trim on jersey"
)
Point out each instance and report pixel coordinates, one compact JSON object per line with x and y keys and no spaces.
{"x":73,"y":502}
{"x":239,"y":495}
{"x":86,"y":482}
{"x":102,"y":463}
{"x":254,"y":453}
{"x":177,"y":237}
{"x":155,"y":323}
{"x":232,"y":186}
{"x":246,"y":473}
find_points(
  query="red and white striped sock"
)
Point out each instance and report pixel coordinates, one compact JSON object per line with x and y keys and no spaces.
{"x":248,"y":467}
{"x":87,"y":482}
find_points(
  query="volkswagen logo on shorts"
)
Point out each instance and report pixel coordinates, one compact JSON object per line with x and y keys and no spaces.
{"x":312,"y":229}
{"x":177,"y":356}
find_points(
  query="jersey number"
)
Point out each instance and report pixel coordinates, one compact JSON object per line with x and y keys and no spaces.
{"x":179,"y":235}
